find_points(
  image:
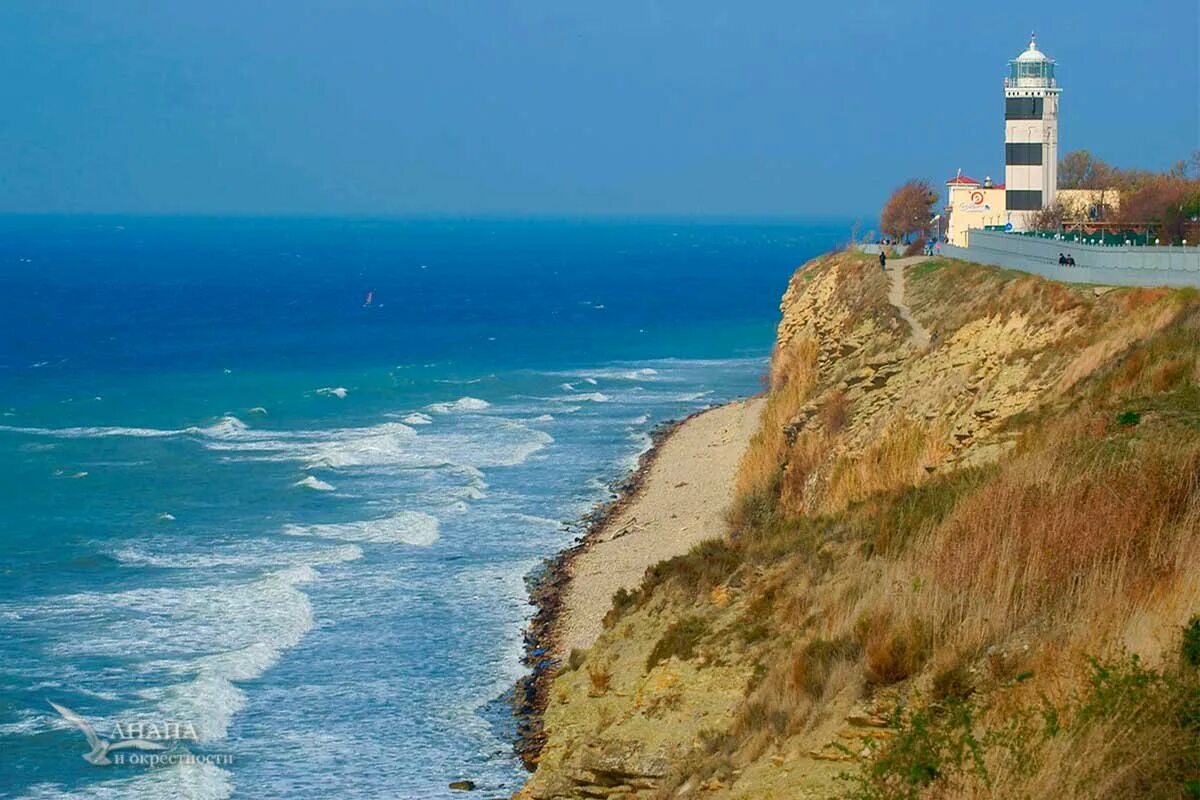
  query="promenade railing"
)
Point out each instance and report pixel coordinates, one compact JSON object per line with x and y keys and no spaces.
{"x":1116,"y":265}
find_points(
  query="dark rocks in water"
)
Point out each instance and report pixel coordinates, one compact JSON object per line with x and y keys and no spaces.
{"x":462,"y":786}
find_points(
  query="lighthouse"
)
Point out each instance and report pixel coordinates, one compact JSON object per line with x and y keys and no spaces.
{"x":1030,"y":135}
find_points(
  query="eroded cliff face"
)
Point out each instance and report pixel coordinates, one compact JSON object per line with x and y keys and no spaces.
{"x":913,"y":524}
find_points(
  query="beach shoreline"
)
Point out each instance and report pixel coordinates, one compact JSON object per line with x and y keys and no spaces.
{"x":574,"y":589}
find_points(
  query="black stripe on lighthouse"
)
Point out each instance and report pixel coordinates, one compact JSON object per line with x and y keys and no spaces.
{"x":1023,"y":108}
{"x":1023,"y":199}
{"x":1023,"y":154}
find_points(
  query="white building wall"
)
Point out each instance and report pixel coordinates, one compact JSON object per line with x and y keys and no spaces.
{"x":1050,"y":156}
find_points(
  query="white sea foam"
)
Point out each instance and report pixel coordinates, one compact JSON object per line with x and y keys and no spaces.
{"x":474,"y":473}
{"x":467,"y":493}
{"x":543,"y":418}
{"x":620,"y":374}
{"x":462,"y":404}
{"x":243,"y":556}
{"x":28,"y":723}
{"x":166,"y":517}
{"x":225,"y":427}
{"x":404,"y":527}
{"x":91,"y":433}
{"x":592,"y":397}
{"x":417,"y":418}
{"x":241,"y":627}
{"x":210,"y":701}
{"x":314,"y":483}
{"x":389,"y":444}
{"x":530,"y":519}
{"x":339,"y":392}
{"x":567,"y":387}
{"x":179,"y":621}
{"x":490,"y":442}
{"x":645,"y":443}
{"x":186,"y":781}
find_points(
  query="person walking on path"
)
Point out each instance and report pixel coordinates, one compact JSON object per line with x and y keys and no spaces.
{"x":882,"y":260}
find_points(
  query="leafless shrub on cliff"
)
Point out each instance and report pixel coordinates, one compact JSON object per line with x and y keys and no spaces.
{"x":600,"y":679}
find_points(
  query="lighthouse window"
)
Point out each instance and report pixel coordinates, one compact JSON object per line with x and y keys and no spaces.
{"x":1020,"y":154}
{"x":1023,"y":199}
{"x":1023,"y":108}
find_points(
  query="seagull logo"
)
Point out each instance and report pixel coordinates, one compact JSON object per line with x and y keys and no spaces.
{"x":101,"y":747}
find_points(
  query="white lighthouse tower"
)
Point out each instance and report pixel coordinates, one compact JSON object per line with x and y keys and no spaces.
{"x":1030,"y":135}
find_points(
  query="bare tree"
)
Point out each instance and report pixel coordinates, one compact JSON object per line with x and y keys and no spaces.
{"x":1167,"y":203}
{"x":909,"y":209}
{"x":1049,"y":218}
{"x":1079,"y":169}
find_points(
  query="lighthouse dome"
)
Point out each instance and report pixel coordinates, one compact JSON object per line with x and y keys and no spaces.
{"x":1033,"y":54}
{"x":1033,"y":69}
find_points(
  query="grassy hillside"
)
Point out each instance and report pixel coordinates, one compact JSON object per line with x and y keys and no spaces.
{"x":971,"y":571}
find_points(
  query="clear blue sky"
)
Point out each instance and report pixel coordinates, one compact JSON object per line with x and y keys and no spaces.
{"x":559,"y":107}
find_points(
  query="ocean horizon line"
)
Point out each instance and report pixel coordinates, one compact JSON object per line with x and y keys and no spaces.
{"x":439,"y":216}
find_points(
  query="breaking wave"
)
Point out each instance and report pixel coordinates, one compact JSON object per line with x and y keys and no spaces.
{"x":404,"y":527}
{"x":462,"y":404}
{"x":314,"y":483}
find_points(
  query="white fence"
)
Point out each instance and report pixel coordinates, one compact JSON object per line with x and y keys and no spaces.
{"x":1112,"y":266}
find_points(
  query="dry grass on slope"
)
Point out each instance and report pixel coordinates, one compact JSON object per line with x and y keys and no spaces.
{"x":835,"y":317}
{"x":993,"y":584}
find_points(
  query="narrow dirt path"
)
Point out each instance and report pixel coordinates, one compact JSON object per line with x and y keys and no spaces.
{"x":895,"y":269}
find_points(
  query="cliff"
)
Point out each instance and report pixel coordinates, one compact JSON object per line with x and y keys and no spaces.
{"x":967,"y":568}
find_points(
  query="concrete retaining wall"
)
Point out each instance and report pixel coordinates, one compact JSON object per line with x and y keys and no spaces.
{"x":1111,"y":266}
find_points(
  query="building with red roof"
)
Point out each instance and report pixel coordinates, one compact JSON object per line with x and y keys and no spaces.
{"x":972,"y":204}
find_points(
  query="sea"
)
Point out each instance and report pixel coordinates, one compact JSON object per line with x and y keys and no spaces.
{"x":271,"y":489}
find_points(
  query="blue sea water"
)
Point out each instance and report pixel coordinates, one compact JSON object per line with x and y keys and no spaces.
{"x":236,"y":497}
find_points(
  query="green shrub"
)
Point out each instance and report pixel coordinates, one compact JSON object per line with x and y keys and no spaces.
{"x":754,"y":632}
{"x":680,"y":640}
{"x":1147,"y":720}
{"x":708,"y":564}
{"x":930,"y":744}
{"x":623,"y":600}
{"x":910,"y":511}
{"x":1127,"y":419}
{"x":1191,"y":642}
